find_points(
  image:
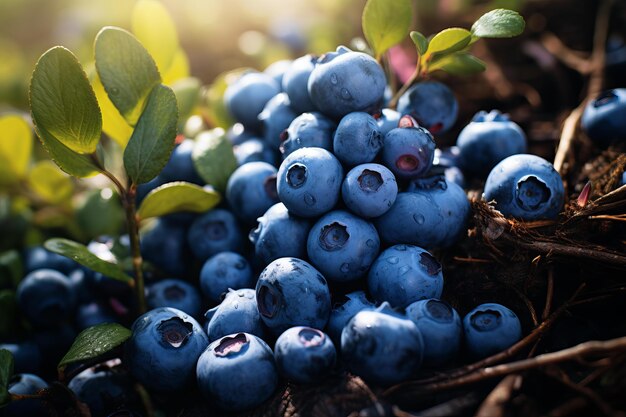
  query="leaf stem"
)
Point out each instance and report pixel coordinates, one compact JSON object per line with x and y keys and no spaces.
{"x":133,"y":232}
{"x":408,"y":84}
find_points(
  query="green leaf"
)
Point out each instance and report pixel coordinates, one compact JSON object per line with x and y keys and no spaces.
{"x":94,"y":342}
{"x":69,"y":161}
{"x":100,"y":213}
{"x":152,"y":141}
{"x":178,"y":196}
{"x":126,"y":70}
{"x":63,"y":104}
{"x":9,"y":315}
{"x":11,"y":269}
{"x":49,"y":183}
{"x":187,"y":93}
{"x":16,"y":145}
{"x":113,"y":123}
{"x":420,"y":42}
{"x":213,"y":158}
{"x":81,"y":254}
{"x":154,"y":28}
{"x":499,"y":23}
{"x":385,"y":23}
{"x":6,"y":372}
{"x":460,"y":63}
{"x":448,"y":41}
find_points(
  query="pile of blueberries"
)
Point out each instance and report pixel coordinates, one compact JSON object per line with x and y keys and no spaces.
{"x":321,"y":249}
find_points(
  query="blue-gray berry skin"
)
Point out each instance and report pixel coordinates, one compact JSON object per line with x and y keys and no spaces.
{"x":251,"y":190}
{"x":276,"y":116}
{"x":26,"y":355}
{"x":403,"y":274}
{"x":369,"y":190}
{"x":309,"y":130}
{"x":433,"y":213}
{"x":309,"y":182}
{"x":277,"y":69}
{"x":603,"y":118}
{"x":432,"y":104}
{"x":487,"y":140}
{"x":383,"y":349}
{"x":441,"y":329}
{"x":345,"y":81}
{"x":304,"y":355}
{"x":223,"y":271}
{"x":387,"y":119}
{"x":174,"y":293}
{"x":342,"y":312}
{"x":215,"y":231}
{"x":290,"y":292}
{"x":408,"y":151}
{"x":255,"y":150}
{"x":180,"y":165}
{"x":165,"y":246}
{"x":526,"y":187}
{"x":247,"y":96}
{"x":342,"y":246}
{"x":164,"y":348}
{"x":238,"y":312}
{"x":46,"y":297}
{"x":26,"y":384}
{"x":238,"y":134}
{"x":295,"y":83}
{"x":38,"y":257}
{"x":279,"y":234}
{"x":357,"y":139}
{"x":489,"y":329}
{"x":237,"y":372}
{"x":93,"y":313}
{"x":103,"y":389}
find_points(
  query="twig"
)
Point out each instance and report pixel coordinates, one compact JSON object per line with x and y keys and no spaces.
{"x":573,"y":59}
{"x":549,"y":294}
{"x":568,"y":408}
{"x":495,"y":403}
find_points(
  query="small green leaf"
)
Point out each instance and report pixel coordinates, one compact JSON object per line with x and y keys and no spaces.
{"x":16,"y":145}
{"x":154,"y":28}
{"x":385,"y":23}
{"x":94,"y":342}
{"x":69,"y":161}
{"x":460,"y":63}
{"x":113,"y":123}
{"x":81,"y":254}
{"x":213,"y":158}
{"x":126,"y":70}
{"x":152,"y":141}
{"x":6,"y":372}
{"x":499,"y":23}
{"x":420,"y":42}
{"x":63,"y":104}
{"x":8,"y":313}
{"x":187,"y":93}
{"x":178,"y":196}
{"x":448,"y":41}
{"x":11,"y":269}
{"x":49,"y":183}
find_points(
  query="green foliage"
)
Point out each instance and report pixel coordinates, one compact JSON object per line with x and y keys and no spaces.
{"x":11,"y":269}
{"x":187,"y":92}
{"x":6,"y":372}
{"x":420,"y":41}
{"x":386,"y":23}
{"x":214,"y":159}
{"x":83,"y":256}
{"x":214,"y":107}
{"x":16,"y":145}
{"x":152,"y":140}
{"x":49,"y":183}
{"x":499,"y":23}
{"x":177,"y":196}
{"x":126,"y":70}
{"x":460,"y":63}
{"x":94,"y":342}
{"x":9,"y":313}
{"x":100,"y":213}
{"x":156,"y":31}
{"x":448,"y":41}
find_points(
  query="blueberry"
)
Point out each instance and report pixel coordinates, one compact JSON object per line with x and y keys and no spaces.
{"x":237,"y":372}
{"x":237,"y":134}
{"x":441,"y":329}
{"x":276,"y":116}
{"x":146,"y":187}
{"x":46,"y":297}
{"x":238,"y":312}
{"x":357,"y":139}
{"x":180,"y":165}
{"x":223,"y":271}
{"x":309,"y":130}
{"x":280,"y":234}
{"x":309,"y":181}
{"x":387,"y":119}
{"x":304,"y":355}
{"x":525,"y":187}
{"x":246,"y":97}
{"x":38,"y":257}
{"x":369,"y":190}
{"x":487,"y":140}
{"x":174,"y":293}
{"x":93,"y":313}
{"x":214,"y":232}
{"x":342,"y":246}
{"x":489,"y":329}
{"x":432,"y":104}
{"x":165,"y":246}
{"x":403,"y":274}
{"x":295,"y":83}
{"x":26,"y":384}
{"x":251,"y":190}
{"x":103,"y":389}
{"x":26,"y":355}
{"x":290,"y":292}
{"x":255,"y":150}
{"x":433,"y":213}
{"x":53,"y":343}
{"x":409,"y":150}
{"x":345,"y":81}
{"x":603,"y":118}
{"x":382,"y":348}
{"x":342,"y":312}
{"x":277,"y":69}
{"x":164,"y":348}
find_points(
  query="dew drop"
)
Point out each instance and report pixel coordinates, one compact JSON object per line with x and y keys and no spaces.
{"x":419,"y":219}
{"x":403,"y":270}
{"x":333,"y":79}
{"x":345,"y":94}
{"x":309,"y":200}
{"x":393,"y":260}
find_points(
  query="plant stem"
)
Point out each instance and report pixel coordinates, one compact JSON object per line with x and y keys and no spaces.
{"x":133,"y":233}
{"x":414,"y":77}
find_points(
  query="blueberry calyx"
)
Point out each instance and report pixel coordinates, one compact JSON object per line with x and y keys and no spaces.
{"x":296,"y":175}
{"x":216,"y":230}
{"x":439,"y":311}
{"x":231,"y":345}
{"x":407,"y":162}
{"x":486,"y":320}
{"x":407,"y":121}
{"x":267,"y":301}
{"x":436,"y":128}
{"x":433,"y":267}
{"x":370,"y":181}
{"x":531,"y":193}
{"x":605,"y":98}
{"x":270,"y":186}
{"x":174,"y":292}
{"x":310,"y":338}
{"x":175,"y":331}
{"x":334,"y":236}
